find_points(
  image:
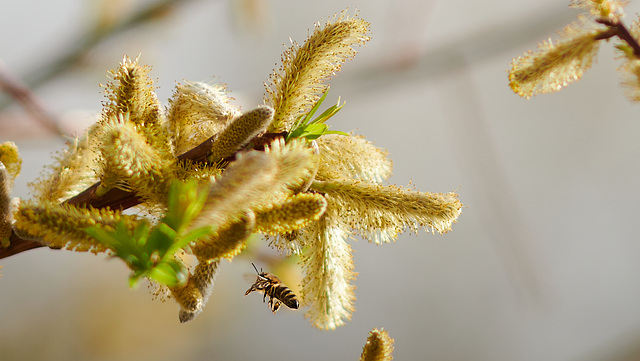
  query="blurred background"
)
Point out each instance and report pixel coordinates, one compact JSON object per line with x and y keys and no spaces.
{"x":543,"y":264}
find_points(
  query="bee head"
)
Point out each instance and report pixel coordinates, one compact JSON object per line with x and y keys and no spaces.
{"x":261,"y":274}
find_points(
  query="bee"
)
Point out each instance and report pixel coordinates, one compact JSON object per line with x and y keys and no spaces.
{"x":278,"y":293}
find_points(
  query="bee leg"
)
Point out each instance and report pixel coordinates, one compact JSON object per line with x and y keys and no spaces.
{"x":275,"y":306}
{"x":251,"y":289}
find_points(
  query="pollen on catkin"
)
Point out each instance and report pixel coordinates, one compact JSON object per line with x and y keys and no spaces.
{"x":11,"y":160}
{"x":630,"y":67}
{"x":61,"y":226}
{"x":130,"y":163}
{"x":352,"y":157}
{"x":379,"y":346}
{"x":196,"y":112}
{"x":73,"y":170}
{"x":6,"y":216}
{"x":131,"y":92}
{"x":300,"y":81}
{"x":556,"y":64}
{"x":194,"y":295}
{"x":327,"y":262}
{"x":239,"y":132}
{"x":255,"y":180}
{"x":379,"y":213}
{"x":295,"y":213}
{"x":611,"y":9}
{"x":242,"y":186}
{"x":227,"y":242}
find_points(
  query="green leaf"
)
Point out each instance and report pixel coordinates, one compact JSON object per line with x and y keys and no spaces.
{"x":190,"y":237}
{"x":185,"y":202}
{"x":169,"y":273}
{"x":151,"y":251}
{"x":309,"y":129}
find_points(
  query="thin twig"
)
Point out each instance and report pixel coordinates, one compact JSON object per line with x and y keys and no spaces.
{"x":13,"y":86}
{"x":90,"y":40}
{"x":621,"y":32}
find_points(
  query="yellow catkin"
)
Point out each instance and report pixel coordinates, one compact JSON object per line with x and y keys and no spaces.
{"x":630,"y":68}
{"x":198,"y":111}
{"x":11,"y":160}
{"x":129,"y":162}
{"x":352,"y":157}
{"x":555,"y":64}
{"x":239,"y":132}
{"x":71,"y":173}
{"x":61,"y":226}
{"x":300,"y":81}
{"x":611,"y":9}
{"x":131,"y":91}
{"x":255,"y":180}
{"x":379,"y":346}
{"x":6,"y":216}
{"x":294,"y":214}
{"x":379,"y":213}
{"x":227,"y":242}
{"x":240,"y":187}
{"x":631,"y":79}
{"x":328,"y":266}
{"x":194,"y":295}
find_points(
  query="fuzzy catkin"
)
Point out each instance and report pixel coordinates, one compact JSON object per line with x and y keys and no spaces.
{"x":555,"y":64}
{"x":194,"y":295}
{"x":298,"y":84}
{"x":379,"y":346}
{"x":329,"y":271}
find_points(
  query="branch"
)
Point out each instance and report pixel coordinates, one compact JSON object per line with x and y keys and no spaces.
{"x":13,"y":86}
{"x":120,"y":199}
{"x":90,"y":40}
{"x":616,"y":28}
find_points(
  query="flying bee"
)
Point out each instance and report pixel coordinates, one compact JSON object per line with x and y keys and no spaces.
{"x":278,"y":293}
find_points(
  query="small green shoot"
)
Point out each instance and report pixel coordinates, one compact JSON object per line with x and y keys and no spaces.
{"x":304,"y":127}
{"x":151,"y":252}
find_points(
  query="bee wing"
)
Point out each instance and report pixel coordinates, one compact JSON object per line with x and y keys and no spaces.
{"x":250,"y":277}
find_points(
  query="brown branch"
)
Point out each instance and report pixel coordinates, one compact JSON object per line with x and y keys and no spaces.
{"x":121,"y":199}
{"x":13,"y":86}
{"x":616,"y":28}
{"x":74,"y":54}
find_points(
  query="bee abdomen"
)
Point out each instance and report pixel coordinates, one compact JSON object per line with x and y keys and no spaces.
{"x":287,"y":297}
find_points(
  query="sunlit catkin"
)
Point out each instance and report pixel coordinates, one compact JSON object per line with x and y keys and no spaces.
{"x":328,"y":266}
{"x":129,"y":162}
{"x":73,"y":170}
{"x":352,"y":157}
{"x":239,"y":132}
{"x":11,"y":160}
{"x":555,"y":64}
{"x":61,"y":226}
{"x":131,"y":92}
{"x":300,"y":81}
{"x":255,"y":180}
{"x":196,"y":112}
{"x":293,"y":214}
{"x":379,"y":213}
{"x":227,"y":242}
{"x":240,"y":186}
{"x":379,"y":346}
{"x":6,"y":216}
{"x":194,"y":295}
{"x":611,"y":9}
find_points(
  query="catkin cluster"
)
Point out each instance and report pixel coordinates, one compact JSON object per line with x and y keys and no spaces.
{"x":206,"y":176}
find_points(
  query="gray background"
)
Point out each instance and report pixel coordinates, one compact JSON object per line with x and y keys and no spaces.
{"x":544,"y":263}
